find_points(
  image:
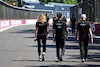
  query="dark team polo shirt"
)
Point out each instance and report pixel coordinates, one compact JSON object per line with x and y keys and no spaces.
{"x":60,"y":28}
{"x":42,"y":28}
{"x":47,"y":18}
{"x":83,"y":28}
{"x":73,"y":21}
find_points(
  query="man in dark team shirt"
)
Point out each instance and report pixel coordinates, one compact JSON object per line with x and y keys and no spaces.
{"x":64,"y":19}
{"x":73,"y":21}
{"x":60,"y":27}
{"x":84,"y":29}
{"x":47,"y":18}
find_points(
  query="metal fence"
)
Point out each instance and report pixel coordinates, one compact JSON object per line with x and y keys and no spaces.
{"x":90,"y":8}
{"x":12,"y":12}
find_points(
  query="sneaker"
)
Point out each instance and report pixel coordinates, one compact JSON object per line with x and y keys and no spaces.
{"x":40,"y":59}
{"x":61,"y":59}
{"x":62,"y":54}
{"x":86,"y":59}
{"x":83,"y":60}
{"x":58,"y":60}
{"x":43,"y":56}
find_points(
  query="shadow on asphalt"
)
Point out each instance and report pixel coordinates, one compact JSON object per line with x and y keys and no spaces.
{"x":26,"y":60}
{"x":90,"y":47}
{"x":81,"y":65}
{"x":25,"y":31}
{"x":32,"y":31}
{"x":95,"y":57}
{"x":44,"y":61}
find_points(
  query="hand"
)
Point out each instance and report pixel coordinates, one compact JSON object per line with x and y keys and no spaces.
{"x":54,"y":40}
{"x":91,"y":41}
{"x":35,"y":39}
{"x":77,"y":38}
{"x":47,"y":36}
{"x":66,"y":37}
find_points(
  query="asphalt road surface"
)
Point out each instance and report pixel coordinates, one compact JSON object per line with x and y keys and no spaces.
{"x":18,"y":49}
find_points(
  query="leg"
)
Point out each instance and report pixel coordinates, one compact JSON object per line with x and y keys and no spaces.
{"x":57,"y":49}
{"x":39,"y":46}
{"x":44,"y":47}
{"x":86,"y":49}
{"x":82,"y":52}
{"x":74,"y":28}
{"x":62,"y":46}
{"x":62,"y":49}
{"x":44,"y":43}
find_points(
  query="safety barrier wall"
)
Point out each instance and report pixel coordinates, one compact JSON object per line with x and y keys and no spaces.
{"x":8,"y":23}
{"x":12,"y":12}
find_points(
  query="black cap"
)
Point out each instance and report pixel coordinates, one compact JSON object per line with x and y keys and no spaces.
{"x":59,"y":15}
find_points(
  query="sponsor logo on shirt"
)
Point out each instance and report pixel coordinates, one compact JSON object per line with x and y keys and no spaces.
{"x":41,"y":24}
{"x":83,"y":24}
{"x":59,"y":24}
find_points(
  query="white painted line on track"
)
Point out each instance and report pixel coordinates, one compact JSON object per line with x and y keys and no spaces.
{"x":3,"y":29}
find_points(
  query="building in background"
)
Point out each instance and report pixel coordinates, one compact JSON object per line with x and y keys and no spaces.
{"x":55,"y":7}
{"x":92,"y":9}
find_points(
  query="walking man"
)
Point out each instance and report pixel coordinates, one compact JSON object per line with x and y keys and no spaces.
{"x":84,"y":29}
{"x":60,"y":28}
{"x":47,"y":18}
{"x":73,"y":21}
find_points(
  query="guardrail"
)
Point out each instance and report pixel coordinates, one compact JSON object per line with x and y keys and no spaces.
{"x":12,"y":12}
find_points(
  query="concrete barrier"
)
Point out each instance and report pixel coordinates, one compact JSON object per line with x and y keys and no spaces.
{"x":6,"y":24}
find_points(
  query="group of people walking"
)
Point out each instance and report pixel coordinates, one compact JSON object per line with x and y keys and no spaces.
{"x":59,"y":31}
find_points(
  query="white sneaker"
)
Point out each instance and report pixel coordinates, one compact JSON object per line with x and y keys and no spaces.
{"x":40,"y":59}
{"x":83,"y":60}
{"x":58,"y":60}
{"x":86,"y":59}
{"x":43,"y":56}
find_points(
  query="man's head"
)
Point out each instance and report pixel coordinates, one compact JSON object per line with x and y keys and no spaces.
{"x":59,"y":15}
{"x":47,"y":14}
{"x":83,"y":17}
{"x":72,"y":16}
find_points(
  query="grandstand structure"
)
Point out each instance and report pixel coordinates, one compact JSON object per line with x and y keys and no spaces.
{"x":55,"y":7}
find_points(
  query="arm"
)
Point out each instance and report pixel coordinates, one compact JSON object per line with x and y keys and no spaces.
{"x":35,"y":33}
{"x":67,"y":31}
{"x":76,"y":35}
{"x":47,"y":31}
{"x":53,"y":35}
{"x":91,"y":35}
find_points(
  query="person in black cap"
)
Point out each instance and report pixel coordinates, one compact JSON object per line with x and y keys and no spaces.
{"x":64,"y":19}
{"x":84,"y":29}
{"x":73,"y":21}
{"x":61,"y":28}
{"x":54,"y":18}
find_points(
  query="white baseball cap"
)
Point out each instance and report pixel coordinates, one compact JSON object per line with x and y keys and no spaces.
{"x":83,"y":16}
